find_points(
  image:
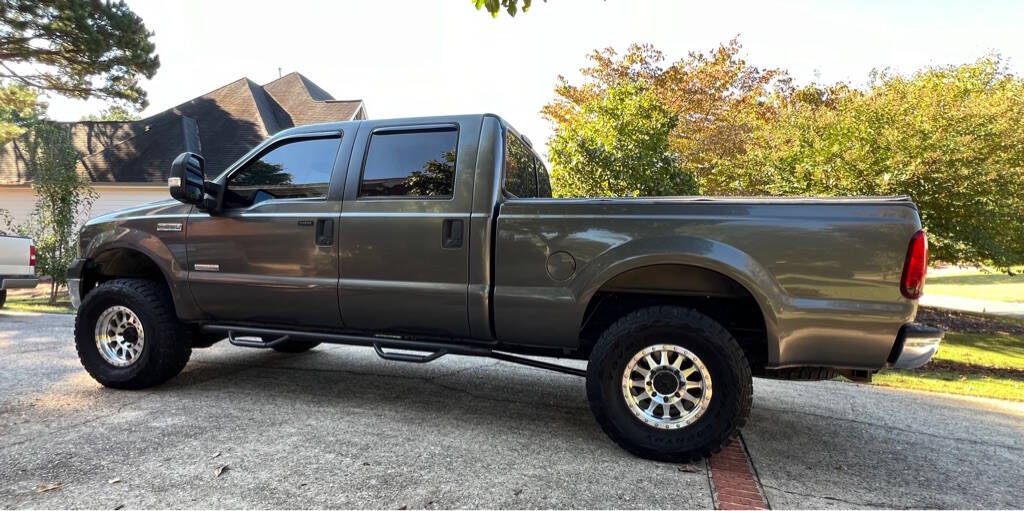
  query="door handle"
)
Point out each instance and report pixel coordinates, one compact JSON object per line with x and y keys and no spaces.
{"x":451,"y":233}
{"x":325,"y":232}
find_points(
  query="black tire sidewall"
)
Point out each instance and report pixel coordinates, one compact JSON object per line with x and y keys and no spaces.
{"x":711,"y":430}
{"x":3,"y":297}
{"x":151,"y":365}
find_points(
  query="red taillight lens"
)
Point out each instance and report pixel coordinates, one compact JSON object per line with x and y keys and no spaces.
{"x":915,"y":266}
{"x":31,"y":255}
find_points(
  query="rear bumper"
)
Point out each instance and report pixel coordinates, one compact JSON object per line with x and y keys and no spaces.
{"x":916,"y":344}
{"x":18,"y":281}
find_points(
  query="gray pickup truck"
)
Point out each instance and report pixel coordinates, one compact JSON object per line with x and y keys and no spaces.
{"x":432,"y":236}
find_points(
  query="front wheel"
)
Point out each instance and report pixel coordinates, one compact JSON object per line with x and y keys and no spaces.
{"x":669,"y":384}
{"x":128,"y":336}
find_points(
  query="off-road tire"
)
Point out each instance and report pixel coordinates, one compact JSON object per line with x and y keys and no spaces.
{"x":3,"y":297}
{"x":167,"y":345}
{"x":725,"y":361}
{"x":295,"y":346}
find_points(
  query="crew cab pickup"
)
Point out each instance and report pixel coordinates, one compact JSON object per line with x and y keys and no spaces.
{"x":431,"y":236}
{"x":17,"y":264}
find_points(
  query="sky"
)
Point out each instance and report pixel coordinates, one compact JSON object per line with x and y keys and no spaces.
{"x":422,"y":57}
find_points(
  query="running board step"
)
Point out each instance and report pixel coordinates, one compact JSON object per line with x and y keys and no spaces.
{"x":408,"y":357}
{"x":434,"y":349}
{"x":246,"y":343}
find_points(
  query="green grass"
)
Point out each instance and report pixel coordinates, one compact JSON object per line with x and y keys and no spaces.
{"x":38,"y":305}
{"x":1011,"y":389}
{"x":983,"y":286}
{"x":984,"y":365}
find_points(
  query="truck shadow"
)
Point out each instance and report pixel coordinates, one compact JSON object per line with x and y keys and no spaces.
{"x":481,"y":395}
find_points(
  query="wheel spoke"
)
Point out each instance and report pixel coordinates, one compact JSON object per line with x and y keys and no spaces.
{"x":687,"y":396}
{"x":664,"y":358}
{"x":650,"y":362}
{"x":688,"y":371}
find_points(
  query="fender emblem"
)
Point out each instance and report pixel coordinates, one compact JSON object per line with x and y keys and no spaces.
{"x":207,"y":267}
{"x":170,"y":226}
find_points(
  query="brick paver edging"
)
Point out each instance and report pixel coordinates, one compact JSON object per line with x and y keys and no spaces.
{"x":733,"y":481}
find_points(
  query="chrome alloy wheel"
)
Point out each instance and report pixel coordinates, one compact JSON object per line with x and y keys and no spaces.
{"x":666,"y":386}
{"x":119,"y":336}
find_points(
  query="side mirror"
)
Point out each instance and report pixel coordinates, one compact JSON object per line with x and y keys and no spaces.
{"x":188,"y":175}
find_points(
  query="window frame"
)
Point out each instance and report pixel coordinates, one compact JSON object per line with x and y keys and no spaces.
{"x":276,"y":143}
{"x":410,"y":128}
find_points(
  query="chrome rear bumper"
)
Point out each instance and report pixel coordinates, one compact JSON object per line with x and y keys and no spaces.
{"x":916,"y":344}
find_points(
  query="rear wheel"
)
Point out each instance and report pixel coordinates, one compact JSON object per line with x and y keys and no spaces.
{"x":295,"y":346}
{"x":127,"y":334}
{"x":669,"y":384}
{"x":3,"y":297}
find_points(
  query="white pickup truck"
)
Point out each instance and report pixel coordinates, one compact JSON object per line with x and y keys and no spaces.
{"x":17,"y":264}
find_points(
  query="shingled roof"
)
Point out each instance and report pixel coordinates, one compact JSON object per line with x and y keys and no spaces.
{"x":222,"y":125}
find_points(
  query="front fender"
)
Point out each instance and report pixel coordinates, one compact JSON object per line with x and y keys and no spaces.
{"x":139,"y":233}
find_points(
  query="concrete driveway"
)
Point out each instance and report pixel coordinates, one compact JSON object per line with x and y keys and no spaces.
{"x":338,"y":427}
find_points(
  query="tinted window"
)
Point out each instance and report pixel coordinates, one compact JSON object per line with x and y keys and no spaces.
{"x":520,"y":177}
{"x":410,"y":163}
{"x":295,"y":169}
{"x":543,"y":180}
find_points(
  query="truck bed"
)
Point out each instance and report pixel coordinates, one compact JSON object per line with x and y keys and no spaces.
{"x":825,"y":272}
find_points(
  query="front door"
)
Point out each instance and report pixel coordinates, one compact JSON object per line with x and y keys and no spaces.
{"x":404,"y":247}
{"x":271,"y":255}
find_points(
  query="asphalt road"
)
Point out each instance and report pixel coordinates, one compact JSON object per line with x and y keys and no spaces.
{"x":338,"y":427}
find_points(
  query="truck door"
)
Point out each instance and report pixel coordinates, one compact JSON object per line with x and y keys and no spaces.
{"x":271,"y":254}
{"x":404,"y":248}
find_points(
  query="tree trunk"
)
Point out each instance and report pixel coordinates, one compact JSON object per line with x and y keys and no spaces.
{"x":53,"y":292}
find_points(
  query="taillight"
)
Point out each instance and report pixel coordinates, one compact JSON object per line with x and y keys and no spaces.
{"x":31,"y":255}
{"x":915,"y":266}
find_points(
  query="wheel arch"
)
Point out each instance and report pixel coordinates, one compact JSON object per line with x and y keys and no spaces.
{"x":684,"y":271}
{"x":134,"y":261}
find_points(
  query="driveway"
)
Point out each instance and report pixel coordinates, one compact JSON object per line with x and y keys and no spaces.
{"x":338,"y":427}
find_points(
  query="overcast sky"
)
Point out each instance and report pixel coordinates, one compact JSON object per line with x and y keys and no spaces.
{"x":421,"y":57}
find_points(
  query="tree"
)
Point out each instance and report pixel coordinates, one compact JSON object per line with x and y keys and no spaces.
{"x":19,"y":107}
{"x":67,"y":46}
{"x":62,"y":197}
{"x":618,"y":144}
{"x":113,"y":113}
{"x":716,"y":97}
{"x":495,"y":6}
{"x":949,"y":137}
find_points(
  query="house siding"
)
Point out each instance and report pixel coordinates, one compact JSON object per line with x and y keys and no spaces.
{"x":20,"y":200}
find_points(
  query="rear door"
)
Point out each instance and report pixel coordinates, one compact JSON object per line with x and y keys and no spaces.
{"x":404,"y":251}
{"x":271,"y":255}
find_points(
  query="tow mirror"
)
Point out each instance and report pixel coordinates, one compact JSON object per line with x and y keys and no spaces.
{"x":188,"y":175}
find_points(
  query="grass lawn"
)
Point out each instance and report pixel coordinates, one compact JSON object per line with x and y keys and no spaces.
{"x":983,"y":286}
{"x":974,"y":364}
{"x":38,"y":299}
{"x":39,"y":305}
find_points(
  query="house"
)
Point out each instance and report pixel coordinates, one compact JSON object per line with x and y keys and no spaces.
{"x":128,"y":162}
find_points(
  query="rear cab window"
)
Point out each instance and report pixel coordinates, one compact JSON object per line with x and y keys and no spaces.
{"x":520,"y":172}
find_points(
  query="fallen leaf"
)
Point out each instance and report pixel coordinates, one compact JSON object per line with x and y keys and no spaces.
{"x":47,"y":487}
{"x":114,"y":481}
{"x":403,"y":507}
{"x":220,"y":470}
{"x":215,"y":454}
{"x":689,"y":467}
{"x":119,"y":506}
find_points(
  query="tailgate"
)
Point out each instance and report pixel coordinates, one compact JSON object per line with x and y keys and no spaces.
{"x":15,"y":253}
